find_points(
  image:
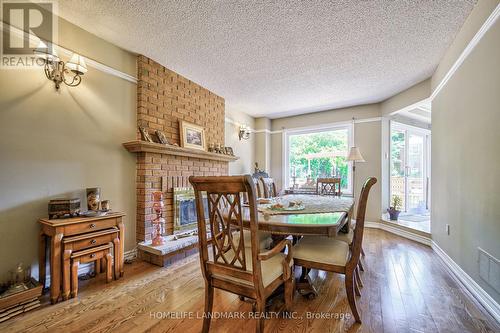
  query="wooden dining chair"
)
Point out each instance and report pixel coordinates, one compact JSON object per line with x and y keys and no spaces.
{"x":330,"y":254}
{"x":328,"y":186}
{"x":229,"y":264}
{"x":269,"y":187}
{"x":257,"y":187}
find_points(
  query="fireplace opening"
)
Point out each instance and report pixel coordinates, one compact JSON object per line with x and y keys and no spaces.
{"x":185,"y":216}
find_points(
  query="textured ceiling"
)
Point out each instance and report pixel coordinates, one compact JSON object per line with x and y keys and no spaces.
{"x":278,"y":58}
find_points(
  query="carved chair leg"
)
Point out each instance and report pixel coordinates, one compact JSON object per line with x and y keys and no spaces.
{"x":209,"y":301}
{"x":349,"y":286}
{"x":358,"y":277}
{"x":261,"y":308}
{"x":289,"y":292}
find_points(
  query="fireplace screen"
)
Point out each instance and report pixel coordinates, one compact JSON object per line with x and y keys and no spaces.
{"x":185,"y":208}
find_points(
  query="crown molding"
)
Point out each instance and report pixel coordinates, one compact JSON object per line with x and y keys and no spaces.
{"x":468,"y":49}
{"x":67,"y":52}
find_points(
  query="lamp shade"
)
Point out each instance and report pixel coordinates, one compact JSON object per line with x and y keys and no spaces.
{"x":77,"y":64}
{"x":355,"y":155}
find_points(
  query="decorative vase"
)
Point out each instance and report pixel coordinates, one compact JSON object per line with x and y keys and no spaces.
{"x":158,"y":222}
{"x":393,"y":214}
{"x":93,"y":198}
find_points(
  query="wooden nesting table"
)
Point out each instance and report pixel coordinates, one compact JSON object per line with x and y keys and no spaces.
{"x":57,"y":229}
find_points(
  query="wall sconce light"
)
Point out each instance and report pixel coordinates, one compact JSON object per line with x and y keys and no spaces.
{"x":58,"y":71}
{"x":244,"y":132}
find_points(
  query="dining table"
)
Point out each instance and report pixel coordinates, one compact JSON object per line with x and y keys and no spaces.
{"x":320,"y":215}
{"x":316,"y":215}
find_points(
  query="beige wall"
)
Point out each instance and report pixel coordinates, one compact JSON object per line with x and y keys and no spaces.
{"x":466,"y":159}
{"x":263,"y":143}
{"x":55,"y":144}
{"x":367,"y":138}
{"x":245,"y":149}
{"x":327,"y":117}
{"x":412,"y":95}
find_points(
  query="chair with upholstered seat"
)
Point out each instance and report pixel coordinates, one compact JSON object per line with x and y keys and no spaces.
{"x":333,"y":255}
{"x":269,"y":187}
{"x":328,"y":186}
{"x":257,"y":187}
{"x":229,"y":263}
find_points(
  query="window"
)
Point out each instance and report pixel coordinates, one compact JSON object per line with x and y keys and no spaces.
{"x":314,"y":153}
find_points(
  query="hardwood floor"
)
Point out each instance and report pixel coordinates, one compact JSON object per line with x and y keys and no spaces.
{"x":406,"y":289}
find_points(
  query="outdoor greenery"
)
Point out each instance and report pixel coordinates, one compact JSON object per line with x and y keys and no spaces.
{"x":397,"y":152}
{"x":397,"y":202}
{"x":322,"y":142}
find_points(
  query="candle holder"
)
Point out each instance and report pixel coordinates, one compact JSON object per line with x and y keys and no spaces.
{"x":158,"y":222}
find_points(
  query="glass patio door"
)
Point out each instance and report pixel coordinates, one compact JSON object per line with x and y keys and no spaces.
{"x":410,"y":167}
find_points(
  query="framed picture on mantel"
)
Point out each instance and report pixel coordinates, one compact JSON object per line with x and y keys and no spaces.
{"x":192,"y":136}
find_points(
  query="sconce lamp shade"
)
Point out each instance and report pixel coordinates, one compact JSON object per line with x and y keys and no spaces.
{"x":77,"y":64}
{"x":355,"y":155}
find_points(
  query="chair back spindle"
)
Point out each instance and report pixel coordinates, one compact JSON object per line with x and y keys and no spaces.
{"x":224,"y":197}
{"x":328,"y":186}
{"x":269,"y":187}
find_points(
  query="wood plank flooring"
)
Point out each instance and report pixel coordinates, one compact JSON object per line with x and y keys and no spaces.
{"x":406,"y":289}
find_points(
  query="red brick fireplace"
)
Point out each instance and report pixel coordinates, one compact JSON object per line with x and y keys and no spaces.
{"x":164,"y":98}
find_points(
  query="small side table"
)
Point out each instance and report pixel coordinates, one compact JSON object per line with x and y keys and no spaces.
{"x":56,"y":229}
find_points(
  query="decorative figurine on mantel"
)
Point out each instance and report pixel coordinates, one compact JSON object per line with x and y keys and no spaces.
{"x":159,"y":221}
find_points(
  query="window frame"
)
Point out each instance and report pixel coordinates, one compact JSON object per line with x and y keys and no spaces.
{"x":317,"y":129}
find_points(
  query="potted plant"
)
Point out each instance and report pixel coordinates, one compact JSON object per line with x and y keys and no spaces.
{"x":395,"y":209}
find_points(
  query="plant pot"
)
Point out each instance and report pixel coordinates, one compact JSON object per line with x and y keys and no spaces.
{"x":393,"y":214}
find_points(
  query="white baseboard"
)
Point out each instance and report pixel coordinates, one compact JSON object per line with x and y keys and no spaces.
{"x":400,"y":232}
{"x":479,"y":294}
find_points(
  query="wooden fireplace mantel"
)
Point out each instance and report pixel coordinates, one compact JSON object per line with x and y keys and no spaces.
{"x":139,"y":146}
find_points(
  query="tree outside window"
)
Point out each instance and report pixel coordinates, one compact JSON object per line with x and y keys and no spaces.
{"x":319,"y":154}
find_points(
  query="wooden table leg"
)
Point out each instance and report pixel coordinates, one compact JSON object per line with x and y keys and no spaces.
{"x":66,"y":283}
{"x":55,"y":267}
{"x":109,"y":267}
{"x":305,"y":286}
{"x":42,"y":259}
{"x":116,"y":259}
{"x":75,"y":263}
{"x":121,"y":226}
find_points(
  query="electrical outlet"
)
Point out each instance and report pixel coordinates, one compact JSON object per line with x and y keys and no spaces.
{"x":448,"y":229}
